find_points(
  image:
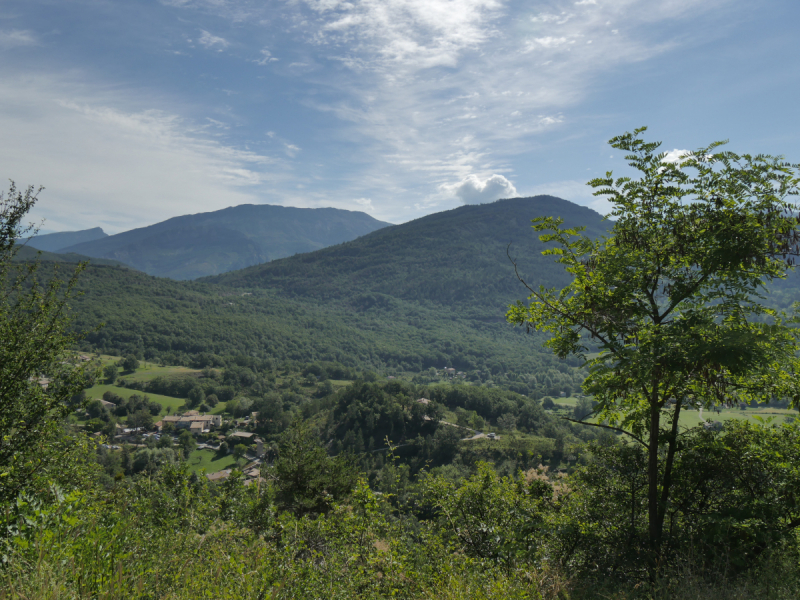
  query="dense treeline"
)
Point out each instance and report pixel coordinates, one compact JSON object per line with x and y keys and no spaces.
{"x":194,"y":324}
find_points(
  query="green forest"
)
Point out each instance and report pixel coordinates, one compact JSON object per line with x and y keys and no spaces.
{"x":463,"y":406}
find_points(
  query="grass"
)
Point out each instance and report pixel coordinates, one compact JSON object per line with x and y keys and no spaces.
{"x":97,"y":391}
{"x":151,"y":371}
{"x":209,"y":460}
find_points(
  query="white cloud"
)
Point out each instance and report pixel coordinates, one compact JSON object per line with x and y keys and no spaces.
{"x":420,"y":33}
{"x":424,"y":75}
{"x":16,"y":38}
{"x":473,"y":190}
{"x":366,"y":204}
{"x":266,"y":58}
{"x":674,"y":156}
{"x":213,"y":41}
{"x":103,"y":163}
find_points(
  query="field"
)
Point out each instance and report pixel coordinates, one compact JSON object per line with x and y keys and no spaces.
{"x":166,"y":402}
{"x":209,"y":460}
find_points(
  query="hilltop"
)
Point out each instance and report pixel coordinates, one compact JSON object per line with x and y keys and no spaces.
{"x":55,"y":242}
{"x":456,"y":258}
{"x":192,"y":246}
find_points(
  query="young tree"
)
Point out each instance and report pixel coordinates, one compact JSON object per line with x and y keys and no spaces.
{"x":38,"y":378}
{"x":239,"y":450}
{"x":672,"y":297}
{"x":129,"y":363}
{"x":306,"y":479}
{"x":110,"y":372}
{"x":187,"y":443}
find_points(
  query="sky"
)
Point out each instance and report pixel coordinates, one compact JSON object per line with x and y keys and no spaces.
{"x":131,"y":112}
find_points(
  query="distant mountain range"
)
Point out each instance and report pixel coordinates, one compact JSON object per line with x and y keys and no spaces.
{"x":203,"y":244}
{"x":55,"y":242}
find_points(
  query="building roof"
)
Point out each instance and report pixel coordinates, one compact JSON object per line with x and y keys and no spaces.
{"x":219,"y":475}
{"x":243,"y":434}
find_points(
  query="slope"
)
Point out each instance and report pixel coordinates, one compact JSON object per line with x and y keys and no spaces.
{"x":192,"y":246}
{"x":179,"y":321}
{"x":28,"y":253}
{"x":455,"y":259}
{"x":54,"y":242}
{"x":429,"y":293}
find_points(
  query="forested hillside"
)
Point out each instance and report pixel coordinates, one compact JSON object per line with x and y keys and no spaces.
{"x":192,"y":246}
{"x":430,"y":293}
{"x":29,"y":254}
{"x":174,"y":322}
{"x":456,"y":258}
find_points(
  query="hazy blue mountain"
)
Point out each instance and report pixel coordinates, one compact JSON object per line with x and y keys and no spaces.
{"x":54,"y":242}
{"x":193,"y":246}
{"x":28,"y":253}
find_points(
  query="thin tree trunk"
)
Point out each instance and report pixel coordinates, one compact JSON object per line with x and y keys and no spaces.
{"x":667,"y":483}
{"x":652,"y":478}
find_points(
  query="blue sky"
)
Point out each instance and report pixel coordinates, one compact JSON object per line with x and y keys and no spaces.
{"x":133,"y":112}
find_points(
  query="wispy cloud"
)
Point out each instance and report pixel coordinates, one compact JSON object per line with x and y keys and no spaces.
{"x":105,"y":164}
{"x":266,"y":57}
{"x":16,"y":38}
{"x":213,"y":41}
{"x":449,"y":90}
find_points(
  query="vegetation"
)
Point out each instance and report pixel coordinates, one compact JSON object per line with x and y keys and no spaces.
{"x":420,"y":481}
{"x":673,"y":298}
{"x":39,"y":386}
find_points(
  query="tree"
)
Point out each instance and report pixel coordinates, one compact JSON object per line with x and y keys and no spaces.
{"x":110,"y":372}
{"x":672,"y":297}
{"x":196,"y":396}
{"x":129,"y":363}
{"x":141,"y":419}
{"x":239,"y":451}
{"x":306,"y":479}
{"x":187,"y":442}
{"x":38,"y":376}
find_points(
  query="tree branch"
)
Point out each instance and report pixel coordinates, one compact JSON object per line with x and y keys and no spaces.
{"x":628,"y":433}
{"x":588,"y":328}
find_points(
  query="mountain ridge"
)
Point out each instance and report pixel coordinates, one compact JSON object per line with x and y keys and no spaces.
{"x":463,"y":250}
{"x":55,"y":242}
{"x":201,"y":244}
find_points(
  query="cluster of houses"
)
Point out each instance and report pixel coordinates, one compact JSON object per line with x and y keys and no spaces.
{"x":191,"y":420}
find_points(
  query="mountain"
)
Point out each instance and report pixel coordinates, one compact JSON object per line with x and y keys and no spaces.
{"x":28,"y":253}
{"x":456,"y":258}
{"x":54,"y":242}
{"x":193,"y":246}
{"x":429,"y":293}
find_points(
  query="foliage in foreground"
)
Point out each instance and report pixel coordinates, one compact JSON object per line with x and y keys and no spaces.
{"x":674,"y":298}
{"x":170,"y":534}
